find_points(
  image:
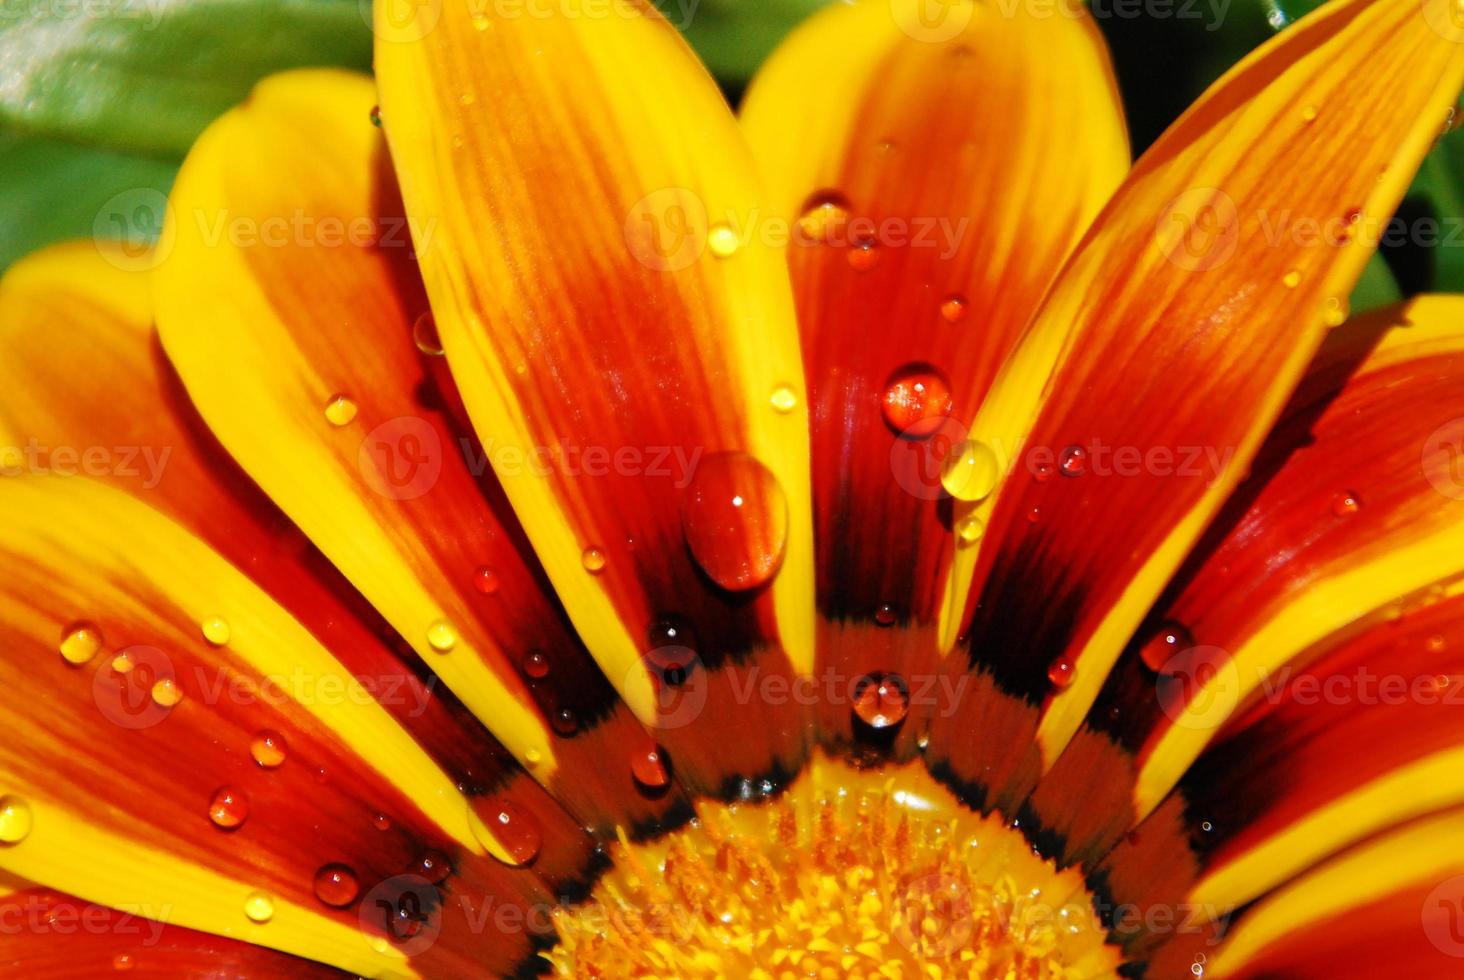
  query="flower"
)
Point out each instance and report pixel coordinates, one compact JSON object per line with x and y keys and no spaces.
{"x":567,"y":528}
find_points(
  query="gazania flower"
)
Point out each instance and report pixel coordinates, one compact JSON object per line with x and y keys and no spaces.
{"x":565,"y":528}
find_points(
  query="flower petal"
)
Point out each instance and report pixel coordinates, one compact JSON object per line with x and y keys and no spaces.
{"x":287,"y":308}
{"x":913,"y":162}
{"x":1194,"y":292}
{"x":609,"y":312}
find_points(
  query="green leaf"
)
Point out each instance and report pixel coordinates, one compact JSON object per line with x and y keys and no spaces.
{"x":734,"y":36}
{"x":53,"y":191}
{"x":145,"y":76}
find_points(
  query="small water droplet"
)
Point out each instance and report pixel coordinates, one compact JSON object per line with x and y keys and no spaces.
{"x":466,"y":99}
{"x":1168,"y":639}
{"x":80,"y":642}
{"x":953,"y":309}
{"x":886,"y":614}
{"x":229,"y":808}
{"x":564,"y":721}
{"x":881,"y":700}
{"x":1060,"y":672}
{"x":863,"y":256}
{"x":166,"y":693}
{"x":1074,"y":461}
{"x":1334,"y":311}
{"x":268,"y":749}
{"x":340,"y":410}
{"x":916,"y":398}
{"x":593,"y":559}
{"x":722,"y":240}
{"x":1309,"y":113}
{"x":783,"y":399}
{"x":509,"y":832}
{"x":424,"y":335}
{"x":1292,"y":279}
{"x":481,"y":21}
{"x":376,"y":116}
{"x":648,"y":767}
{"x":734,"y":516}
{"x":823,"y":217}
{"x":485,"y":580}
{"x":16,"y":819}
{"x":1346,"y":503}
{"x":123,"y":962}
{"x":381,"y":821}
{"x":1436,"y":643}
{"x":336,"y":885}
{"x":532,"y":757}
{"x":259,"y":907}
{"x":970,"y":471}
{"x":441,"y":636}
{"x":434,"y":866}
{"x":970,"y":528}
{"x":1034,"y":515}
{"x":670,"y":631}
{"x":536,"y":665}
{"x":216,"y":630}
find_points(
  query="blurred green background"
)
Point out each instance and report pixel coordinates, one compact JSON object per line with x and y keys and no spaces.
{"x":102,"y":98}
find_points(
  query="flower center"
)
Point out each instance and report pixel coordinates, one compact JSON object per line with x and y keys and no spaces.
{"x":875,"y":873}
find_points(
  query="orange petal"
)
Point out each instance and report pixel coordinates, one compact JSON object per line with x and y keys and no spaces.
{"x":611,"y":312}
{"x":1171,"y":342}
{"x":929,"y":213}
{"x":296,"y":321}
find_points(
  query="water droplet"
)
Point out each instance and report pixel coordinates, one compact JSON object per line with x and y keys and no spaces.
{"x":166,"y":693}
{"x":593,"y":559}
{"x":336,"y":885}
{"x":1346,"y":503}
{"x":376,"y":116}
{"x":1168,"y":639}
{"x":485,"y":580}
{"x":735,"y":519}
{"x":123,"y":962}
{"x":863,"y":256}
{"x":536,"y":665}
{"x":823,"y":217}
{"x":886,"y":615}
{"x":881,"y":700}
{"x":1309,"y":114}
{"x":564,"y":721}
{"x":510,"y":833}
{"x":259,"y":907}
{"x":1334,"y":311}
{"x":670,"y":631}
{"x":1292,"y":279}
{"x":1436,"y":643}
{"x":532,"y":757}
{"x":1060,"y":672}
{"x":122,"y":663}
{"x":340,"y":410}
{"x":1074,"y":461}
{"x":1041,"y":471}
{"x":466,"y":99}
{"x":953,"y":309}
{"x":441,"y":636}
{"x":970,"y":471}
{"x":648,"y":767}
{"x":424,"y":335}
{"x":970,"y":528}
{"x":722,"y":240}
{"x":481,"y":21}
{"x":434,"y":866}
{"x":16,"y":819}
{"x":916,"y":397}
{"x":268,"y":749}
{"x":783,"y":399}
{"x":229,"y":808}
{"x":216,"y":630}
{"x":1034,"y":515}
{"x":381,"y":821}
{"x":80,"y":642}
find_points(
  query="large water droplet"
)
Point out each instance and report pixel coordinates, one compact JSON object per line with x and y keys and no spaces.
{"x":16,"y":819}
{"x":970,"y":528}
{"x":916,"y":398}
{"x":424,"y":335}
{"x":441,"y":636}
{"x":340,"y":410}
{"x":268,"y":749}
{"x":80,"y":642}
{"x":648,"y":767}
{"x":970,"y":471}
{"x":1168,"y":639}
{"x":216,"y":630}
{"x":166,"y":693}
{"x":824,"y":217}
{"x":783,"y":399}
{"x":536,"y":665}
{"x":735,"y":519}
{"x":593,"y":559}
{"x":336,"y":885}
{"x":510,"y":833}
{"x":881,"y":700}
{"x":1060,"y":672}
{"x":259,"y":907}
{"x":229,"y":808}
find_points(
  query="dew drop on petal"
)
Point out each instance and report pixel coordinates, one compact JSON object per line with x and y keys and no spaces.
{"x":1334,"y":311}
{"x":340,"y":410}
{"x":485,"y":580}
{"x":1309,"y":113}
{"x":259,"y":907}
{"x":670,"y":631}
{"x":916,"y":397}
{"x":1292,"y":279}
{"x":881,"y":700}
{"x":823,"y":217}
{"x":166,"y":693}
{"x":863,"y":256}
{"x":953,"y":309}
{"x":783,"y":399}
{"x":734,"y":516}
{"x":648,"y":767}
{"x":381,"y":821}
{"x":122,"y":663}
{"x":229,"y":808}
{"x":441,"y":636}
{"x":970,"y":528}
{"x":1346,"y":503}
{"x":886,"y":614}
{"x":80,"y":642}
{"x":593,"y":560}
{"x":1034,"y":515}
{"x":268,"y":749}
{"x":424,"y":335}
{"x":336,"y":885}
{"x":507,"y":831}
{"x":1167,"y":639}
{"x":16,"y":819}
{"x":216,"y":630}
{"x":564,"y":721}
{"x":123,"y":961}
{"x":434,"y":866}
{"x":536,"y":665}
{"x":1060,"y":672}
{"x":1074,"y":461}
{"x":970,"y":471}
{"x":376,"y":116}
{"x":722,"y":241}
